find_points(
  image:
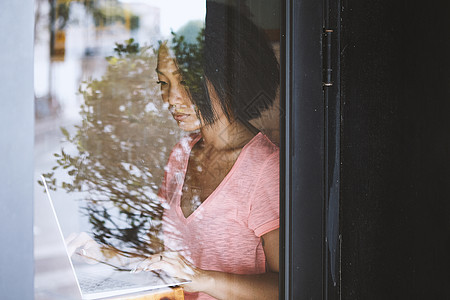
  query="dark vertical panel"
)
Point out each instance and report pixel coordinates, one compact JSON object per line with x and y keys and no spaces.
{"x":331,"y":79}
{"x":305,"y":150}
{"x":370,"y":200}
{"x":394,"y":150}
{"x":16,"y":150}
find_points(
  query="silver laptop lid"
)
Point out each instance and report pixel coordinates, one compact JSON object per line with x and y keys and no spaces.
{"x":105,"y":279}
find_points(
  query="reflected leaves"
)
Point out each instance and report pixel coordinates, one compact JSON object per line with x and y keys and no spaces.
{"x":122,"y":146}
{"x":189,"y":57}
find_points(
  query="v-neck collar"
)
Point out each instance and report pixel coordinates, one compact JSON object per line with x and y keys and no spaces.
{"x":205,"y":203}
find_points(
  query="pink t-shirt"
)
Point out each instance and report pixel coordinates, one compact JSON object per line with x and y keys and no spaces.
{"x":223,"y":233}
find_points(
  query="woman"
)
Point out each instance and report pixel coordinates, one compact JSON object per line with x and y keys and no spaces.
{"x":221,"y":184}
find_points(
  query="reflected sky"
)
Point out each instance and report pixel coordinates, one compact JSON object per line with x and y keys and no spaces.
{"x":175,"y":13}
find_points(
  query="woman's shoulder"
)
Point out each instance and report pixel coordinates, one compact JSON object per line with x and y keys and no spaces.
{"x":260,"y":148}
{"x":260,"y":153}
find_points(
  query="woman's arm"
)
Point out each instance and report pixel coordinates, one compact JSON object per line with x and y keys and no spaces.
{"x":224,"y":285}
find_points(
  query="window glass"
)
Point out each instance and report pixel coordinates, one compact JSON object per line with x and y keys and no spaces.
{"x":157,"y":135}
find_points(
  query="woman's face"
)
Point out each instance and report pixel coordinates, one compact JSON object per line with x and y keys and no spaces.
{"x":175,"y":93}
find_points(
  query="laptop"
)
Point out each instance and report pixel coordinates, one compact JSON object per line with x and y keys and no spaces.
{"x":104,"y":280}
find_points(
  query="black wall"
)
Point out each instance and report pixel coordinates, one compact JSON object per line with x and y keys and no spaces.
{"x":395,"y":146}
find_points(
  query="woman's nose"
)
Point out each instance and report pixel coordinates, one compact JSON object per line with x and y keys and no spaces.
{"x":176,"y":95}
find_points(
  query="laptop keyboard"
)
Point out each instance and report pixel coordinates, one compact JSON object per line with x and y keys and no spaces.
{"x":91,"y":284}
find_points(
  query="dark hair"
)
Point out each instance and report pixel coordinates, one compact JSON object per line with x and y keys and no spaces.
{"x":239,"y":63}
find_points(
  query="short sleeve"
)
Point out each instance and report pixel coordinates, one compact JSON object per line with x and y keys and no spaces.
{"x":264,"y":213}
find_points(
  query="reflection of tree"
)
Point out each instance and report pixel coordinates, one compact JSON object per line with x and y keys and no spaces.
{"x":122,"y":146}
{"x":190,"y":30}
{"x":189,"y":58}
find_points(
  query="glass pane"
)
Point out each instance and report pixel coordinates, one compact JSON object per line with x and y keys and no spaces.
{"x":156,"y":133}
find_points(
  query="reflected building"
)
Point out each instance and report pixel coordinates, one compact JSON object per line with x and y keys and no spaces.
{"x":72,"y":39}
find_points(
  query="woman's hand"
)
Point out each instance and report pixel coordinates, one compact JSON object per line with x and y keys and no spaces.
{"x":85,"y":246}
{"x":92,"y":252}
{"x":174,"y":264}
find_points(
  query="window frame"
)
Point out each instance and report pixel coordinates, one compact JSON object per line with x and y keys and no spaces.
{"x":310,"y":150}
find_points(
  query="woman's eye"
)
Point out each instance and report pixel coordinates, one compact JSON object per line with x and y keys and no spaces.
{"x":161,"y":82}
{"x":182,"y":82}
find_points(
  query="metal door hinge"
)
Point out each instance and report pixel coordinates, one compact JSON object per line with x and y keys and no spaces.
{"x":327,"y":68}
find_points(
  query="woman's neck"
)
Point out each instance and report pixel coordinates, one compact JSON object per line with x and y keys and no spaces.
{"x":225,"y":135}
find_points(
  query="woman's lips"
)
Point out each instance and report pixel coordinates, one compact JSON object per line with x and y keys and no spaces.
{"x":180,"y":117}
